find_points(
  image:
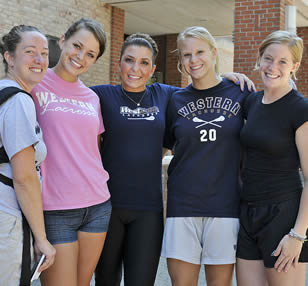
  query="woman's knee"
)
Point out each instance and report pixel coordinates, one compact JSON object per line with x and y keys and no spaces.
{"x":219,"y":275}
{"x":183,"y":273}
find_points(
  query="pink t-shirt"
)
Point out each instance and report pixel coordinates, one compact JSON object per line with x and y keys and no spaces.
{"x":70,"y":117}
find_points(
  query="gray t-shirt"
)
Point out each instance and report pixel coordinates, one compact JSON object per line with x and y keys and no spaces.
{"x":18,"y":130}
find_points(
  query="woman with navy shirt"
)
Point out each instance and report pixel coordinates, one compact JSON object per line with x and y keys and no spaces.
{"x":203,"y":126}
{"x":134,"y":119}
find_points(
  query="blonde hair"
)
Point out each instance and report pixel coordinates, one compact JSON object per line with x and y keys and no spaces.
{"x":200,"y":33}
{"x":294,"y":43}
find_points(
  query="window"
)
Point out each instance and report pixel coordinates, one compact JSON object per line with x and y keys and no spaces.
{"x":54,"y":50}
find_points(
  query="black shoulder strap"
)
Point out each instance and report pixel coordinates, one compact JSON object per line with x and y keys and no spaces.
{"x":8,"y":92}
{"x":25,"y":276}
{"x":5,"y":94}
{"x":3,"y":156}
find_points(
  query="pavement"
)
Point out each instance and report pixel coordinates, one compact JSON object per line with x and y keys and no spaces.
{"x":162,"y":278}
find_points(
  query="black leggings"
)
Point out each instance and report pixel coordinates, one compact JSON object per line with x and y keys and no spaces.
{"x":134,"y":238}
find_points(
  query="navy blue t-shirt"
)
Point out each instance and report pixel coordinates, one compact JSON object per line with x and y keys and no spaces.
{"x":132,"y":144}
{"x":204,"y":128}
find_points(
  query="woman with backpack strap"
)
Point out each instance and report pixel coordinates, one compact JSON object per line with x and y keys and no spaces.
{"x":25,"y":57}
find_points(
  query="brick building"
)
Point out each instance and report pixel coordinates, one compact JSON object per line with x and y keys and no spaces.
{"x":253,"y":20}
{"x":238,"y":25}
{"x":53,"y":18}
{"x":238,"y":37}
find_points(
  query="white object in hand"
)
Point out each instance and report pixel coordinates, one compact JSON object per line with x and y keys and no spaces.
{"x":35,"y":274}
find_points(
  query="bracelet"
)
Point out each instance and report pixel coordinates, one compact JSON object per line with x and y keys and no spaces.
{"x":297,"y":236}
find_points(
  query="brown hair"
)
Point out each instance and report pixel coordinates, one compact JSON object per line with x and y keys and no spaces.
{"x":10,"y":41}
{"x":92,"y":26}
{"x":141,"y":40}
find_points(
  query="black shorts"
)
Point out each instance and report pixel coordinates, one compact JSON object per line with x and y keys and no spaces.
{"x":262,"y":226}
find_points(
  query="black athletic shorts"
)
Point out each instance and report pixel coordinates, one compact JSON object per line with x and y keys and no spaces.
{"x":263,"y":225}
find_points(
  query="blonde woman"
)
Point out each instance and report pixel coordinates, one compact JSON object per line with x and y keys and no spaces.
{"x":204,"y":122}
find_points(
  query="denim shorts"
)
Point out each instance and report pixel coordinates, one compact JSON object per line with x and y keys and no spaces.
{"x":62,"y":225}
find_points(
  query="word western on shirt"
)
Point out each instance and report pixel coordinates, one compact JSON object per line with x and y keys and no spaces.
{"x":75,"y":106}
{"x":210,"y":103}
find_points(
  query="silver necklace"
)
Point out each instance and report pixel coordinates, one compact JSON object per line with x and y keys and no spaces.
{"x":137,"y":103}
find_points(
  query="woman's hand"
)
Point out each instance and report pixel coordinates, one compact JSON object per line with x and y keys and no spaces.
{"x":241,"y":79}
{"x":288,"y":252}
{"x":44,"y":247}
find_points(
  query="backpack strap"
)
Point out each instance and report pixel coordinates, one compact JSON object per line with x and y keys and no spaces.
{"x":8,"y":92}
{"x":3,"y":156}
{"x":5,"y":94}
{"x":7,"y":181}
{"x":25,"y":277}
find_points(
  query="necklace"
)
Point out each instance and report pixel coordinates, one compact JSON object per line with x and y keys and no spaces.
{"x":137,"y":103}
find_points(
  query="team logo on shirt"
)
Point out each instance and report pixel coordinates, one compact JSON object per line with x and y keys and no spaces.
{"x":48,"y":101}
{"x":139,"y":113}
{"x":211,"y":122}
{"x":216,"y":110}
{"x":37,"y":129}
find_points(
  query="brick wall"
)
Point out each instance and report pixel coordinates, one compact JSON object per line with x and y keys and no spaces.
{"x":161,"y":57}
{"x":173,"y":76}
{"x":302,"y":75}
{"x":53,"y":18}
{"x":117,"y":38}
{"x":253,"y":21}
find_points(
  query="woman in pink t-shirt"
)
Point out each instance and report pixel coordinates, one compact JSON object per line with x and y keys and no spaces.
{"x":75,"y":194}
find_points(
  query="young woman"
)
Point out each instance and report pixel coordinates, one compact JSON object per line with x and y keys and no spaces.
{"x":274,"y":214}
{"x":134,"y":117}
{"x":203,"y":125}
{"x":25,"y":57}
{"x":75,"y":193}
